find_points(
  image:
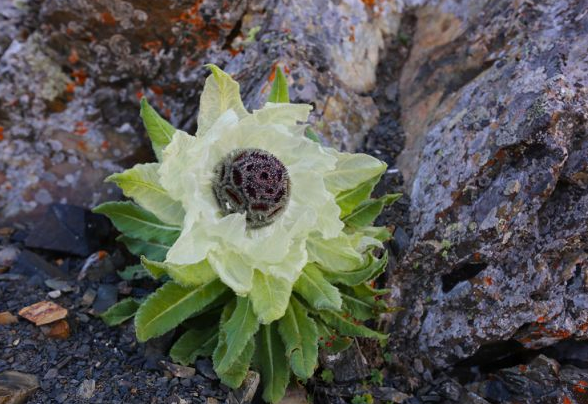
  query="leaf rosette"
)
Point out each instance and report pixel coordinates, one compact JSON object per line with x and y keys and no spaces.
{"x":255,"y":222}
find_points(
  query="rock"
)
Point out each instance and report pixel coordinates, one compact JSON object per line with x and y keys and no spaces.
{"x":73,"y":116}
{"x":97,"y":266}
{"x":245,"y":393}
{"x":204,"y":367}
{"x":347,"y":366}
{"x":294,"y":395}
{"x":11,"y":277}
{"x":69,"y":229}
{"x":44,"y":312}
{"x":541,"y":380}
{"x":17,"y":387}
{"x":175,"y":399}
{"x":54,"y":294}
{"x":7,"y":318}
{"x":7,"y":256}
{"x":88,"y":297}
{"x":59,"y":285}
{"x":51,"y":374}
{"x":105,"y":297}
{"x":86,"y":389}
{"x":180,"y":371}
{"x":35,"y":266}
{"x":494,"y":105}
{"x":389,"y":394}
{"x":57,"y":330}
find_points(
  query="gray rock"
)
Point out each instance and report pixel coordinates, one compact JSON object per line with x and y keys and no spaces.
{"x":494,"y":105}
{"x":86,"y":389}
{"x":105,"y":297}
{"x":245,"y":393}
{"x":73,"y":84}
{"x":17,"y":387}
{"x":347,"y":366}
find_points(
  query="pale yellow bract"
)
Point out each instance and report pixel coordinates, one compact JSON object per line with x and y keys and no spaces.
{"x":262,"y":263}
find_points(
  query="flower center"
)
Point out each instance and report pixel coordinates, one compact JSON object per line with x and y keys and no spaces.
{"x":254,"y":182}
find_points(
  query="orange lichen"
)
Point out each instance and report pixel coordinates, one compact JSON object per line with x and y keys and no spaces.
{"x":70,"y":88}
{"x":488,"y":281}
{"x":82,"y":146}
{"x":352,"y":35}
{"x":153,"y":46}
{"x":139,"y":94}
{"x":541,"y":319}
{"x":1,"y":133}
{"x":156,"y":89}
{"x":79,"y":76}
{"x":566,"y":400}
{"x":80,"y":128}
{"x":102,"y":254}
{"x":107,"y":18}
{"x":234,"y":52}
{"x":73,"y":56}
{"x":105,"y":145}
{"x":202,"y":33}
{"x":580,"y":386}
{"x":522,"y":368}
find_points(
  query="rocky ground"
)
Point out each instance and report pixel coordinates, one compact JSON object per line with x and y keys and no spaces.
{"x":478,"y":107}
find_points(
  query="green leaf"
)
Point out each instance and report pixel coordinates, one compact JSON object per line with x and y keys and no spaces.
{"x":270,"y":296}
{"x":220,"y":94}
{"x":347,"y":326}
{"x":330,"y":341}
{"x":194,"y":343}
{"x":235,"y":334}
{"x":327,"y":376}
{"x":275,"y":371}
{"x":171,"y":304}
{"x":352,"y":169}
{"x":134,"y":221}
{"x":348,"y":200}
{"x":319,"y":293}
{"x":279,"y":91}
{"x":359,"y":308}
{"x":120,"y":312}
{"x":311,"y":134}
{"x":151,"y":249}
{"x":367,"y":211}
{"x":379,"y":233}
{"x":158,"y":129}
{"x":235,"y":375}
{"x":186,"y":275}
{"x":337,"y":254}
{"x":133,"y":272}
{"x":371,"y":270}
{"x":300,"y":335}
{"x":141,"y":183}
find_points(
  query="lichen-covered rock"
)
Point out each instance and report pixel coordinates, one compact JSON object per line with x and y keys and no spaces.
{"x":495,"y":109}
{"x":72,"y":73}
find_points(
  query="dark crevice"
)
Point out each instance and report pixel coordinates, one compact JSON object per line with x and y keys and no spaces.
{"x":461,"y":273}
{"x":491,"y":358}
{"x":233,"y":34}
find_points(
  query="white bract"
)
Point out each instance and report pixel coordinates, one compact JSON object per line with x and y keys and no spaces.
{"x":262,"y":263}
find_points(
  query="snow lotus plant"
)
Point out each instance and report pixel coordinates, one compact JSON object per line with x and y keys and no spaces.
{"x":262,"y":238}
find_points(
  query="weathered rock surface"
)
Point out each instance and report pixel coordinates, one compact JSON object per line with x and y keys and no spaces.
{"x":495,"y":109}
{"x":17,"y":387}
{"x":72,"y":73}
